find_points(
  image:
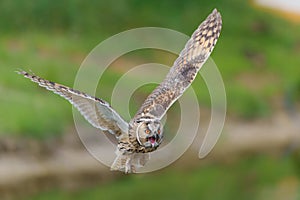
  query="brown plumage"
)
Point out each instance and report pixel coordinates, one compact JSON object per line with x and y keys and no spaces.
{"x":144,"y":133}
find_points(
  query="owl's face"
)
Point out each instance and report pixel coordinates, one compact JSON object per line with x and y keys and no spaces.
{"x":149,"y":133}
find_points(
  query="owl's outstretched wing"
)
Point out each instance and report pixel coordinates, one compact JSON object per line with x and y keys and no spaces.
{"x":96,"y":111}
{"x":184,"y":70}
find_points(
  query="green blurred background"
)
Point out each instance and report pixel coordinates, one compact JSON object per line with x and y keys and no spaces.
{"x":257,"y":55}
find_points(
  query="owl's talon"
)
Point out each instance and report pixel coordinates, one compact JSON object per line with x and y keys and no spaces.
{"x":132,"y":168}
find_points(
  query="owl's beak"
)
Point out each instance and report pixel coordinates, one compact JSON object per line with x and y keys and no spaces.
{"x":154,"y":140}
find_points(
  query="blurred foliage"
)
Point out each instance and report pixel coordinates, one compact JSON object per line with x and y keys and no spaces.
{"x":252,"y":178}
{"x":245,"y":104}
{"x":94,"y":16}
{"x":256,"y":53}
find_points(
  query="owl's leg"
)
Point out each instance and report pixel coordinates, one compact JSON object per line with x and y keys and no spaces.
{"x":129,"y":168}
{"x":140,"y":159}
{"x":122,"y":162}
{"x":132,"y":168}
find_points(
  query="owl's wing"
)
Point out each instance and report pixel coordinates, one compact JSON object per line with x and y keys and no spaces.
{"x":96,"y":111}
{"x":184,"y":70}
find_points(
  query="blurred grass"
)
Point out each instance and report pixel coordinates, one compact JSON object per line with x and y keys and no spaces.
{"x":257,"y":177}
{"x":257,"y":54}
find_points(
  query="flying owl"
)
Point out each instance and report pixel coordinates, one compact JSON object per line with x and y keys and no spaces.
{"x":144,"y":133}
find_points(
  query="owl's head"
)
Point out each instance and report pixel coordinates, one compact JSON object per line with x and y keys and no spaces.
{"x":149,"y":133}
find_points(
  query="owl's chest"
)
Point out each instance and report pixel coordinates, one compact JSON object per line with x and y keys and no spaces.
{"x":139,"y":148}
{"x":132,"y":146}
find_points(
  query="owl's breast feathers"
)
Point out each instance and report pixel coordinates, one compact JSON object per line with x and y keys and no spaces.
{"x":130,"y":143}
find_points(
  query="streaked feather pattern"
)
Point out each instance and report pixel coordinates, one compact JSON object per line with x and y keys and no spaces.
{"x":96,"y":111}
{"x":185,"y":68}
{"x":144,"y":133}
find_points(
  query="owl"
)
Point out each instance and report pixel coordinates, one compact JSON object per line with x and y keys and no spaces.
{"x":144,"y":133}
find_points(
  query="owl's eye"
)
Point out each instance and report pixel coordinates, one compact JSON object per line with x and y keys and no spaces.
{"x":147,"y":131}
{"x":158,"y":131}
